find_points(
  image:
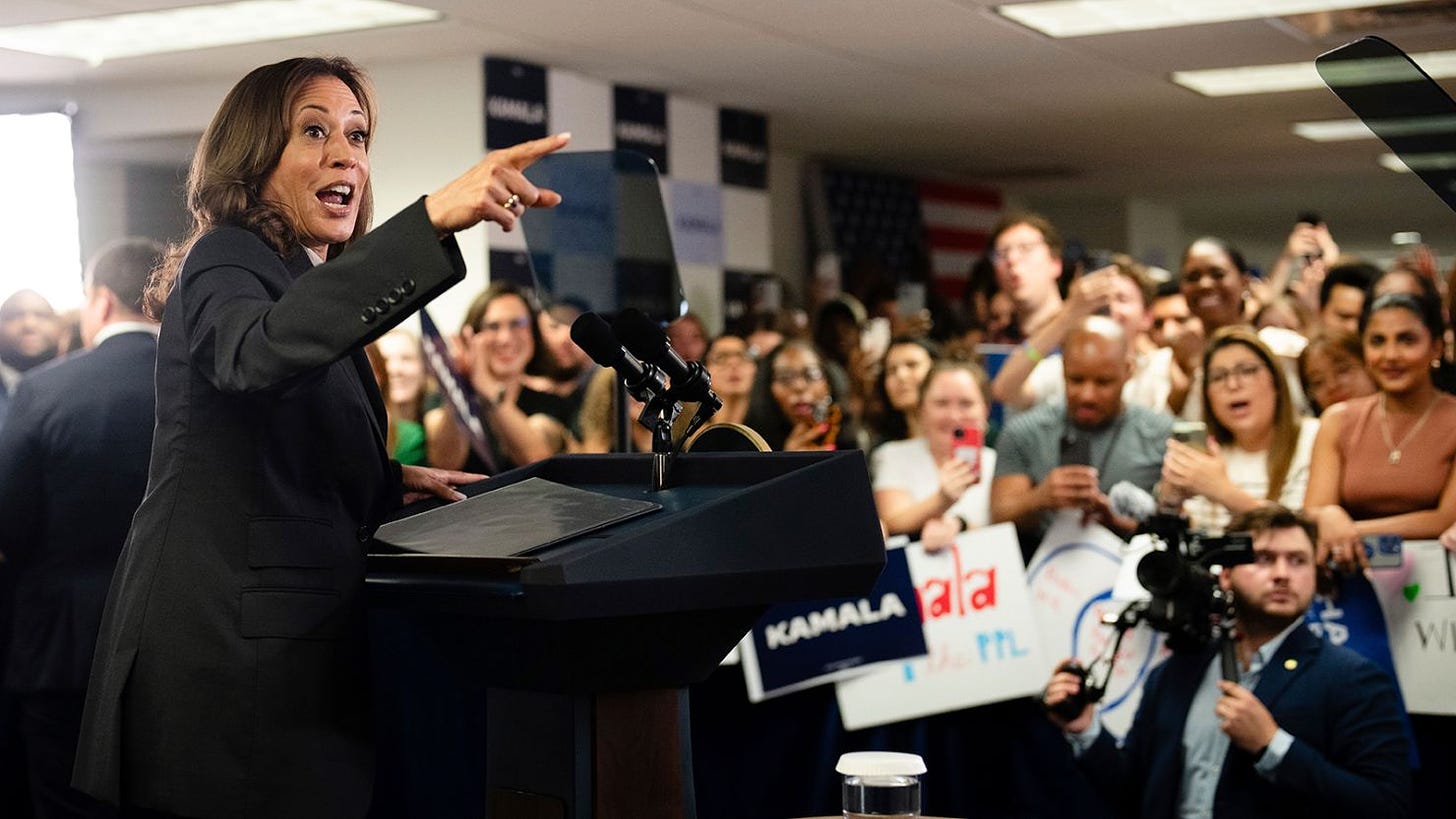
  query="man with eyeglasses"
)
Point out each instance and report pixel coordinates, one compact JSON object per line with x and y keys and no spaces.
{"x":1027,"y":254}
{"x":1057,"y":457}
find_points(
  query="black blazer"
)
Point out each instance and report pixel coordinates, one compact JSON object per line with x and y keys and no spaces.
{"x":230,"y":676}
{"x":73,"y":464}
{"x":1350,"y":755}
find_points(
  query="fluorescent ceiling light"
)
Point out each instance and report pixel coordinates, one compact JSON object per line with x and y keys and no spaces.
{"x":1333,"y":130}
{"x":1444,"y":161}
{"x":1341,"y":130}
{"x":97,"y":39}
{"x":1081,"y":18}
{"x":1266,"y":79}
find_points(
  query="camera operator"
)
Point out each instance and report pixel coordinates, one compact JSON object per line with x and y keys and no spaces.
{"x":1309,"y":729}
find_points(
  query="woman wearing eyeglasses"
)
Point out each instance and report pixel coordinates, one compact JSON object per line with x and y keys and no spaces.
{"x":1257,"y":449}
{"x":794,"y":405}
{"x":499,"y":343}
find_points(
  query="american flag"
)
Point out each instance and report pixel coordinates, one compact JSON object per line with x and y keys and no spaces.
{"x":911,"y":227}
{"x":958,"y":222}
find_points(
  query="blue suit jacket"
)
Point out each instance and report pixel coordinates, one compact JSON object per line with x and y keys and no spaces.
{"x":73,"y":465}
{"x":1349,"y":758}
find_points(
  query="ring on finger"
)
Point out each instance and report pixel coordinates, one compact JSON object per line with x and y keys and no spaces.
{"x":512,"y":203}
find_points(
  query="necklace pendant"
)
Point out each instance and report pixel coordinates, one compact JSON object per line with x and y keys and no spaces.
{"x":1395,"y":456}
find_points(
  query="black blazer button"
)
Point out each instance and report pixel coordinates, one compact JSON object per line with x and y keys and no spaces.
{"x":408,"y":286}
{"x":382,"y":306}
{"x":369,"y":315}
{"x":364,"y":534}
{"x":392,"y":298}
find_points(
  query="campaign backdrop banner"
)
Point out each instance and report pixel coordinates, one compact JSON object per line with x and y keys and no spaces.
{"x":743,"y":148}
{"x":979,"y":629}
{"x":1419,"y":604}
{"x":1072,"y":576}
{"x":515,"y":102}
{"x":801,"y":645}
{"x":639,"y":123}
{"x":696,"y":216}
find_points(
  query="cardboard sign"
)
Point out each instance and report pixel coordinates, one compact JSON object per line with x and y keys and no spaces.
{"x":1419,"y":601}
{"x":1072,"y":576}
{"x":978,"y":627}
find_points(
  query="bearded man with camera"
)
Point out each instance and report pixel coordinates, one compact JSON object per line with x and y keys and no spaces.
{"x":1308,"y":729}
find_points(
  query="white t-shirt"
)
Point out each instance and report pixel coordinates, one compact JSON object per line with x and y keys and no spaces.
{"x":909,"y":466}
{"x":1249,"y":471}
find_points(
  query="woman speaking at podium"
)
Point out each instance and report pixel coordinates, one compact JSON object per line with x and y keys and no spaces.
{"x":231,"y":675}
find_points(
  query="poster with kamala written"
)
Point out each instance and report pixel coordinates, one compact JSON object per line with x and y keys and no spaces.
{"x":800,"y":645}
{"x":979,"y":629}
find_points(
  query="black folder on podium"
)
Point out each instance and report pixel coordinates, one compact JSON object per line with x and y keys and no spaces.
{"x":589,"y":641}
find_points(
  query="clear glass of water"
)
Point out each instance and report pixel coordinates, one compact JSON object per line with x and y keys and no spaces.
{"x":881,"y":784}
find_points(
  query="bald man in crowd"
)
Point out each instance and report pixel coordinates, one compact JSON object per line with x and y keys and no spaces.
{"x":1070,"y":456}
{"x":30,"y":335}
{"x":73,"y":466}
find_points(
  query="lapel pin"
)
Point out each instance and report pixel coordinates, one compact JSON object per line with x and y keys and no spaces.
{"x":1291,"y":664}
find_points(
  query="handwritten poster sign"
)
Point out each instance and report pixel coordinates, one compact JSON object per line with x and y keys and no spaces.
{"x":1419,"y":600}
{"x":979,"y":630}
{"x":1072,"y":576}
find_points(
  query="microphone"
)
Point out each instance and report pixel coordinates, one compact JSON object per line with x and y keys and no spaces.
{"x":647,"y":341}
{"x":1131,"y":501}
{"x":592,"y":334}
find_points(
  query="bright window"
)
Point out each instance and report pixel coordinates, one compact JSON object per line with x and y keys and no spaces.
{"x":40,"y":245}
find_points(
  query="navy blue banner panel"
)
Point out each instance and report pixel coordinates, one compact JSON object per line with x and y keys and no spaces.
{"x":515,"y":102}
{"x":639,"y":123}
{"x":743,"y":148}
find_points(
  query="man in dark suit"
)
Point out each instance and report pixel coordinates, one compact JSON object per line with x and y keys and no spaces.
{"x":73,"y":465}
{"x":1310,"y":729}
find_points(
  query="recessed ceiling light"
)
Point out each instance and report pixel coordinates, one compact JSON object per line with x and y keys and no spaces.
{"x":1266,"y":79}
{"x":97,"y":39}
{"x":1333,"y":130}
{"x":1340,"y":130}
{"x":1081,"y":18}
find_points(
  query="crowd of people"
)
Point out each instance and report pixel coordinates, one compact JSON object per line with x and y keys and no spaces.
{"x":1210,"y":391}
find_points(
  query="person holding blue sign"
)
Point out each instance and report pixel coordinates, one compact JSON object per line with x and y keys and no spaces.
{"x":1308,"y":729}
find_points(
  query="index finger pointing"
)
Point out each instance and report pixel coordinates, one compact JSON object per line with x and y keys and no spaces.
{"x":525,"y":154}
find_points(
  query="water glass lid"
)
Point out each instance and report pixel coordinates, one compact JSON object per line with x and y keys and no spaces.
{"x":880,"y":763}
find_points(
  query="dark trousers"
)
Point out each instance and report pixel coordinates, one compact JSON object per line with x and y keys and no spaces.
{"x":50,"y":724}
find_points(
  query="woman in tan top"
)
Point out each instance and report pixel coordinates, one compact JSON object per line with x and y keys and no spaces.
{"x":1382,"y":463}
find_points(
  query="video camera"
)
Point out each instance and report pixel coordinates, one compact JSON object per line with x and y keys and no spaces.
{"x":1187,"y":602}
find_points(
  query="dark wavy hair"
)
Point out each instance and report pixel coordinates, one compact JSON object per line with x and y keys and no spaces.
{"x":238,"y":151}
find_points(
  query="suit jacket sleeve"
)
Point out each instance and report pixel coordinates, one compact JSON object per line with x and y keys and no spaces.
{"x":22,"y":477}
{"x":251,"y":327}
{"x":1117,"y":773}
{"x":1365,"y":771}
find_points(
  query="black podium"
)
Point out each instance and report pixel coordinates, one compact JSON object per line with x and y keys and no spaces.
{"x":587,"y":645}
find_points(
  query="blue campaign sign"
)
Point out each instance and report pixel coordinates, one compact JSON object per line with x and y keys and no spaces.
{"x":798,"y":645}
